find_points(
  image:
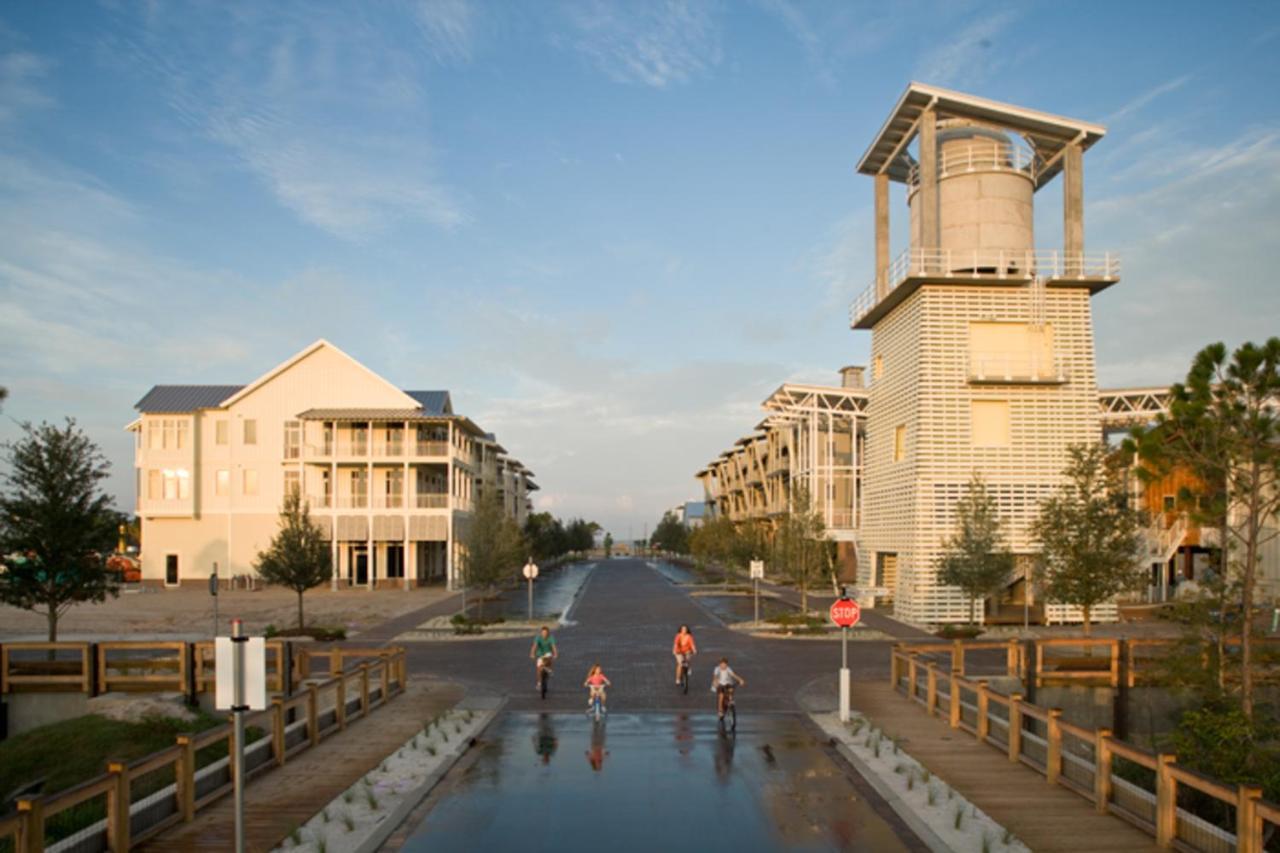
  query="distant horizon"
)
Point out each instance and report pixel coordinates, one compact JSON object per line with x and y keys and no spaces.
{"x":609,"y":229}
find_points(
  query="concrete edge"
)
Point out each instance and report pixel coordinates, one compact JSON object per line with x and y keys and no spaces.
{"x":926,"y":835}
{"x":383,"y":829}
{"x":564,"y":621}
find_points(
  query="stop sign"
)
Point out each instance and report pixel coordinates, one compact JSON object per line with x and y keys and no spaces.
{"x":845,"y":612}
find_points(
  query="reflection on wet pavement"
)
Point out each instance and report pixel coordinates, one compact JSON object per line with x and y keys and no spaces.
{"x":553,"y":594}
{"x":650,"y":782}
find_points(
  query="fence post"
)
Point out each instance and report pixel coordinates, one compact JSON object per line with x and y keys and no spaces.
{"x":953,"y":708}
{"x":386,"y":680}
{"x":1011,"y":659}
{"x":277,"y":730}
{"x":1115,"y":663}
{"x":931,"y":692}
{"x":1166,"y":801}
{"x":1248,"y":827}
{"x":984,"y":724}
{"x":1039,"y":681}
{"x":957,"y":657}
{"x":1053,"y":739}
{"x":894,"y":674}
{"x":1102,"y":771}
{"x":1015,"y":726}
{"x":118,"y":807}
{"x":313,"y":714}
{"x":86,"y":669}
{"x":403,"y":669}
{"x":364,"y":688}
{"x":184,"y":778}
{"x":911,"y":676}
{"x":342,"y":701}
{"x":31,"y":833}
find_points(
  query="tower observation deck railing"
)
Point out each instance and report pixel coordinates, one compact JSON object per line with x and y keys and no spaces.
{"x":979,"y":156}
{"x":984,"y":264}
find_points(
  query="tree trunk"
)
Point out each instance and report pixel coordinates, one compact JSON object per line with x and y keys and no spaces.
{"x":1246,"y":595}
{"x":1087,"y":613}
{"x":52,"y":616}
{"x":300,"y":623}
{"x":973,"y":609}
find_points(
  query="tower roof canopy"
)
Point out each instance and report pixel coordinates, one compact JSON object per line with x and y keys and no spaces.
{"x":1047,"y":134}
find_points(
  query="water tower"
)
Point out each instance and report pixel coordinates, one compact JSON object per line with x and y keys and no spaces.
{"x":981,"y":343}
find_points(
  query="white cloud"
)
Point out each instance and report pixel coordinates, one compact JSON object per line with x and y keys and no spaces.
{"x":971,"y":57}
{"x":1148,"y":96}
{"x":21,"y":77}
{"x":447,"y":27}
{"x":655,"y":44}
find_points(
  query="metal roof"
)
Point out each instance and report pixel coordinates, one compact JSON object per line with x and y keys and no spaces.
{"x":370,"y":415}
{"x":433,"y":402}
{"x":185,"y":398}
{"x":1047,"y":134}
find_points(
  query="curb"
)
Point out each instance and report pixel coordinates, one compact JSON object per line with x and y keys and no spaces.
{"x":926,"y":835}
{"x":383,"y":829}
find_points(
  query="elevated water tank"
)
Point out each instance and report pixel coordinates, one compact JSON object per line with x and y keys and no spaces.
{"x":985,"y":210}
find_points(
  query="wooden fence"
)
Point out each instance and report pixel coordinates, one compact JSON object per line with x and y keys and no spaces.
{"x":1084,"y":760}
{"x":142,"y":798}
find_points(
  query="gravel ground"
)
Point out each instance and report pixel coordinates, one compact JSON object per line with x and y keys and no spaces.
{"x":188,"y":613}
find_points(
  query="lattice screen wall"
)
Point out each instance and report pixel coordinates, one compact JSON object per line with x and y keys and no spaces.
{"x":923,"y":346}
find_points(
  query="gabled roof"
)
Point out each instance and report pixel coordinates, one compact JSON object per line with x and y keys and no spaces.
{"x":433,"y":402}
{"x":184,"y":398}
{"x":290,"y":362}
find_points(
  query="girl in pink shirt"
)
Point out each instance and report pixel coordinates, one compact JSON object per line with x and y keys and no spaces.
{"x":596,"y":683}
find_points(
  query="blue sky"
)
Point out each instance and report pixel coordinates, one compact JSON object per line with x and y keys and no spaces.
{"x":609,"y":228}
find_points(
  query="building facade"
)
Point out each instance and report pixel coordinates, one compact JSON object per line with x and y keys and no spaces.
{"x":391,"y":476}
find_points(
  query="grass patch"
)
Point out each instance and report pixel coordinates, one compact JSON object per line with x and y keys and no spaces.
{"x":320,"y":633}
{"x":959,"y":632}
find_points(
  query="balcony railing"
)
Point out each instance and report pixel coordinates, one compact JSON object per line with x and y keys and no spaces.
{"x":993,"y":264}
{"x":432,"y":500}
{"x":980,"y":156}
{"x":377,"y":449}
{"x":1015,"y":367}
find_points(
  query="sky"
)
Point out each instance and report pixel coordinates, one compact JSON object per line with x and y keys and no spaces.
{"x":610,"y":229}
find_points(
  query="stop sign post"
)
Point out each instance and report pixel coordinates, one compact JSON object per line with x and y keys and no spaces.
{"x":845,"y":612}
{"x":530,"y":572}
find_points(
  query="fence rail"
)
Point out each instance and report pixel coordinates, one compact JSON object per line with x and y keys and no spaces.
{"x":141,"y":799}
{"x":1083,"y":760}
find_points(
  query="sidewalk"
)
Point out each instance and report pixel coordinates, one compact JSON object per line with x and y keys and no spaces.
{"x":1047,"y":818}
{"x":286,"y":797}
{"x":879,"y":620}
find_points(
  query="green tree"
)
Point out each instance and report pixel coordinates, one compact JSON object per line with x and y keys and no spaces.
{"x":608,"y":545}
{"x":582,"y":535}
{"x":671,"y":535}
{"x":976,"y":559}
{"x":546,"y":536}
{"x":56,"y":524}
{"x":298,"y":557}
{"x":801,"y":540}
{"x":1090,"y":538}
{"x":495,"y":546}
{"x":1223,"y":426}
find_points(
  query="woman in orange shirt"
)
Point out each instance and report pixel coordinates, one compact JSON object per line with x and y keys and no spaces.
{"x":684,"y":648}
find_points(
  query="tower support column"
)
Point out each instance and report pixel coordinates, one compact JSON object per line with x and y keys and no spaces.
{"x":930,"y":231}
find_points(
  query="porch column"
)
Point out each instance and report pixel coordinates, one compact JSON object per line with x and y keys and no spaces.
{"x":1072,"y":205}
{"x":882,"y":235}
{"x":404,"y":503}
{"x":368,"y":505}
{"x":930,"y":234}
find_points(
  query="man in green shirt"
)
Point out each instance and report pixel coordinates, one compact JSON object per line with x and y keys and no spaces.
{"x":543,"y":651}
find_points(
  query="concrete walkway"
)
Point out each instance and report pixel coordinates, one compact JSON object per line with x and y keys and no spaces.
{"x":284,"y":798}
{"x":1047,"y":818}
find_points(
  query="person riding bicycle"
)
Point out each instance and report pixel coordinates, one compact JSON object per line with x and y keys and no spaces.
{"x":684,"y":648}
{"x":595,"y":684}
{"x":723,"y":681}
{"x":543,"y":651}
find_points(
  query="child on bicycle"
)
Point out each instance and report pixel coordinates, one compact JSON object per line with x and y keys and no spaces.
{"x":723,"y":680}
{"x":595,"y":684}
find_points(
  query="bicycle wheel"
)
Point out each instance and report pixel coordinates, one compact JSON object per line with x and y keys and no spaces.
{"x":731,"y":717}
{"x":684,"y":679}
{"x":543,"y":682}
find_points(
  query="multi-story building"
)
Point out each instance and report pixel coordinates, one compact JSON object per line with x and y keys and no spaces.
{"x":390,"y":476}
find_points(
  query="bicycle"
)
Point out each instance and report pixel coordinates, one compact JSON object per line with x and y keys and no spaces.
{"x":730,"y":718}
{"x":684,"y":674}
{"x":544,"y":674}
{"x":597,"y":705}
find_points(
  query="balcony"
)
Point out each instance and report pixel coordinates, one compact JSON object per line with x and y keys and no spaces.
{"x":1015,"y":368}
{"x":980,"y":266}
{"x":374,"y":449}
{"x":430,"y":500}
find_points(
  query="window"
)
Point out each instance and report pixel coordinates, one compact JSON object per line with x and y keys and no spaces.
{"x":900,"y":443}
{"x":1011,"y":351}
{"x":177,"y":484}
{"x":155,"y":435}
{"x":394,"y":487}
{"x":250,"y":481}
{"x":292,"y":439}
{"x":171,"y":569}
{"x":989,"y":423}
{"x":154,"y":485}
{"x":221,"y":431}
{"x":250,"y":431}
{"x":222,"y":483}
{"x":326,"y":485}
{"x":1169,"y":503}
{"x":292,"y":483}
{"x":359,"y":488}
{"x":183,"y":426}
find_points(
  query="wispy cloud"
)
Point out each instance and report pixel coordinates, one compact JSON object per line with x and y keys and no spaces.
{"x":315,"y":104}
{"x":447,"y":27}
{"x":1148,"y":96}
{"x":971,"y":57}
{"x":21,"y":89}
{"x":654,"y":44}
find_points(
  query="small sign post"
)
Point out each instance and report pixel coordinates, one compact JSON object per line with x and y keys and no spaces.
{"x":845,"y":612}
{"x":757,"y":572}
{"x":530,"y":572}
{"x":213,"y":591}
{"x":240,"y":666}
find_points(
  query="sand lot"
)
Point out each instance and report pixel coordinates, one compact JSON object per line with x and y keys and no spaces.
{"x":188,"y":613}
